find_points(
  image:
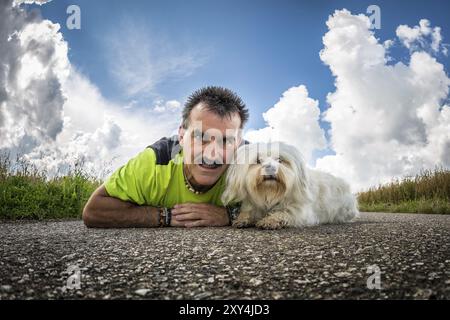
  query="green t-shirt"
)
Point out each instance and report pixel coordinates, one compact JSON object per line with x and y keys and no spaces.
{"x":155,"y":178}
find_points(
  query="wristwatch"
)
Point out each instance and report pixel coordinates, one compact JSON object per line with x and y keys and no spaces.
{"x":233,"y":212}
{"x":165,"y":217}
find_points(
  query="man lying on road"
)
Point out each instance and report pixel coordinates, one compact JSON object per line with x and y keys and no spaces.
{"x":177,"y":181}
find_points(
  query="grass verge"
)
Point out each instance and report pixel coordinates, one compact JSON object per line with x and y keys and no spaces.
{"x":27,"y":193}
{"x":427,"y":192}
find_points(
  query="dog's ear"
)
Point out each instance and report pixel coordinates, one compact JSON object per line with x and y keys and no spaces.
{"x":235,"y":184}
{"x":301,"y":186}
{"x":234,"y":189}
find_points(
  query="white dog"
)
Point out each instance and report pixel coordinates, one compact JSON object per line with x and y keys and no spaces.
{"x":277,"y":190}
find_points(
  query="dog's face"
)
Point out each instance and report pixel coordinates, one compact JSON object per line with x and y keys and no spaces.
{"x":264,"y":174}
{"x":269,"y":177}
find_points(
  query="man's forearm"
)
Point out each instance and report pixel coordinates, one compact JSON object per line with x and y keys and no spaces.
{"x":110,"y":212}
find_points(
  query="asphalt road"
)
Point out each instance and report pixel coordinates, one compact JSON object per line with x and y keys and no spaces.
{"x":412,"y":253}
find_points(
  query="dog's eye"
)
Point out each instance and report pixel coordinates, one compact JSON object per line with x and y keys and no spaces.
{"x":280,"y":160}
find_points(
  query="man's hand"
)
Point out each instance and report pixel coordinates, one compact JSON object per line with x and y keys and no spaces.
{"x":199,"y":215}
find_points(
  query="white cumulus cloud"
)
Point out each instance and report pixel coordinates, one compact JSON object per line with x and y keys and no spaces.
{"x":39,"y":2}
{"x":295,"y":120}
{"x":33,"y":68}
{"x":53,"y":115}
{"x":386,"y":120}
{"x":418,"y":37}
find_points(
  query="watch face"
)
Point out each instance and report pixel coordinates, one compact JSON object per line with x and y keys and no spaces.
{"x":233,"y":212}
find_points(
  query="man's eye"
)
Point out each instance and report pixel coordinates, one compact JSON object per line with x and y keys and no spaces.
{"x":198,"y":136}
{"x":206,"y":138}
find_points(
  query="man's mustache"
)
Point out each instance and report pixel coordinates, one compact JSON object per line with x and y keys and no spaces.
{"x":208,"y":161}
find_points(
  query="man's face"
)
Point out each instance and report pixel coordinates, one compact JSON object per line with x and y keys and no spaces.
{"x":209,"y":144}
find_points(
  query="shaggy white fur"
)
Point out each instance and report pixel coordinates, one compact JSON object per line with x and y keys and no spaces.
{"x":277,"y":190}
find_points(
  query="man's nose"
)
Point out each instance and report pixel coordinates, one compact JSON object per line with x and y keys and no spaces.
{"x":213,"y":153}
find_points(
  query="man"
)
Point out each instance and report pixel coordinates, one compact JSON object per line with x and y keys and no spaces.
{"x":176,"y":181}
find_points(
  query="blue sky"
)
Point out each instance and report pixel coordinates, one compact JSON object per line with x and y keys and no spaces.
{"x":257,"y":48}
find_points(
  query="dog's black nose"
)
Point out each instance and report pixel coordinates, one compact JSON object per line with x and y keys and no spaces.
{"x":269,"y":169}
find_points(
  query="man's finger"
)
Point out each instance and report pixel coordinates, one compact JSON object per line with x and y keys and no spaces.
{"x":183,"y":205}
{"x":190,"y":207}
{"x":182,"y":210}
{"x":187,"y":216}
{"x":175,"y":223}
{"x":197,"y":223}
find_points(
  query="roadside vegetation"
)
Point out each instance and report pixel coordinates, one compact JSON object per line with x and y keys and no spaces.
{"x":27,"y":193}
{"x":427,"y":192}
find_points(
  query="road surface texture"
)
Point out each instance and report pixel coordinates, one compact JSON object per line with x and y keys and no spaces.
{"x":49,"y":260}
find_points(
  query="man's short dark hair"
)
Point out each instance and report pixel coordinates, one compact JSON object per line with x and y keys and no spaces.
{"x":218,"y":100}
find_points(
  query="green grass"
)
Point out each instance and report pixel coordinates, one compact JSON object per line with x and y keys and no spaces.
{"x":27,"y":193}
{"x":427,"y":192}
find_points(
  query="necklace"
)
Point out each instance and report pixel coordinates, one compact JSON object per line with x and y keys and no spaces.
{"x":189,"y":185}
